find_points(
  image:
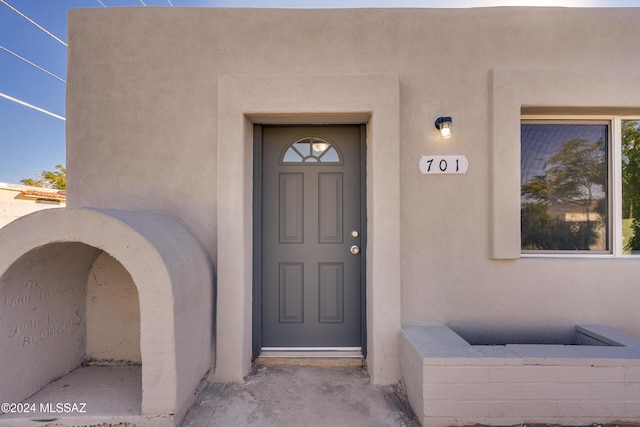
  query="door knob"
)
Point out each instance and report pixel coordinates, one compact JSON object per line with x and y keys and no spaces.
{"x":355,"y":249}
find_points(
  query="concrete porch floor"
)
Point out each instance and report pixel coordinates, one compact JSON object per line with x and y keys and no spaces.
{"x":91,"y":388}
{"x":284,"y":392}
{"x":289,"y":395}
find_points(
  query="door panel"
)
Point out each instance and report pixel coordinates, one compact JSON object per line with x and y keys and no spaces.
{"x":291,"y":207}
{"x":291,"y":292}
{"x":330,"y":292}
{"x":311,"y":201}
{"x":330,"y":207}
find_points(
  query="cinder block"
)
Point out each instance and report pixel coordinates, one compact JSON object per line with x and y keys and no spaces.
{"x":526,"y":410}
{"x":524,"y":374}
{"x":411,"y":368}
{"x":458,"y":409}
{"x":507,"y":391}
{"x":597,"y":411}
{"x":439,"y":421}
{"x":632,"y":374}
{"x":574,"y":392}
{"x":632,"y":409}
{"x":455,"y":374}
{"x":632,"y":391}
{"x":607,"y":392}
{"x":411,"y":375}
{"x":558,"y":374}
{"x":480,"y":392}
{"x":584,"y":374}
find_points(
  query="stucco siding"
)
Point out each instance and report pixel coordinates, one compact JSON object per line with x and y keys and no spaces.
{"x":143,"y":127}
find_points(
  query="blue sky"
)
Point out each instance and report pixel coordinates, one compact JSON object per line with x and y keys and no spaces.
{"x":33,"y":140}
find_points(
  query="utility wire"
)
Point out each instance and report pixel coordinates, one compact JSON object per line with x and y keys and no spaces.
{"x":103,"y":5}
{"x":31,"y":63}
{"x":32,"y":21}
{"x":33,"y":107}
{"x":170,"y":4}
{"x":143,"y":3}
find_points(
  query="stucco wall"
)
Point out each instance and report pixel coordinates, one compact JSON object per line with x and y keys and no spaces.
{"x":113,"y":313}
{"x":143,"y":111}
{"x":43,"y":316}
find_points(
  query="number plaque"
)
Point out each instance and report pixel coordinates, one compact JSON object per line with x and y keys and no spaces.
{"x":443,"y":165}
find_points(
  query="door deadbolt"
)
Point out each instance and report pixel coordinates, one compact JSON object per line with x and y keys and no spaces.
{"x":355,"y":249}
{"x":355,"y":233}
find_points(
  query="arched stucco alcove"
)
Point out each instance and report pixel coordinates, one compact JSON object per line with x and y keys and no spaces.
{"x":47,"y":261}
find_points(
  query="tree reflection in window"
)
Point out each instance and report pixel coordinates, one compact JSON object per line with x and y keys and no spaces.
{"x":311,"y":150}
{"x":564,"y":192}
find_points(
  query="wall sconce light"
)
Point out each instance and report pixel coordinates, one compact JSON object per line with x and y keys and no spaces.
{"x":443,"y":124}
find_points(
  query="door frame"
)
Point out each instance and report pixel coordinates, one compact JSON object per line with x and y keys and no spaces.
{"x":245,"y":99}
{"x":257,"y":233}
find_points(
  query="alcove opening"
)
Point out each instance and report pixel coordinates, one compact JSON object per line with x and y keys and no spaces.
{"x":70,"y":316}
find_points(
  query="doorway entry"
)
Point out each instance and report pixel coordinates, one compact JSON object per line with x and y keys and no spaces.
{"x":309,"y":238}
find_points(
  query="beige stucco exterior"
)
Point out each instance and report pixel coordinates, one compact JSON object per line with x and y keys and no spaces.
{"x":161,"y":105}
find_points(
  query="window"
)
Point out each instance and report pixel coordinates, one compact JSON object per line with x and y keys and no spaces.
{"x":630,"y":205}
{"x":580,"y":186}
{"x":312,"y":150}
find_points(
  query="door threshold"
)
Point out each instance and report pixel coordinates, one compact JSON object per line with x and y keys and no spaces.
{"x":271,"y":356}
{"x":312,"y":352}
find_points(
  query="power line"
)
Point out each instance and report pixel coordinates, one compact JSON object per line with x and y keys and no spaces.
{"x":141,"y":1}
{"x":103,"y":5}
{"x":33,"y":107}
{"x":32,"y":21}
{"x":31,"y":63}
{"x":170,"y":4}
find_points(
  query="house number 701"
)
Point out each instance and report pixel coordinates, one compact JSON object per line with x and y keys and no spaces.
{"x":443,"y":165}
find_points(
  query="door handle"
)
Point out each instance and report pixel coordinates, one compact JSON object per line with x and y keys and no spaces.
{"x":355,"y":249}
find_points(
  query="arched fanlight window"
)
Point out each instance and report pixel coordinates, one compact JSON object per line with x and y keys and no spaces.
{"x":312,"y":150}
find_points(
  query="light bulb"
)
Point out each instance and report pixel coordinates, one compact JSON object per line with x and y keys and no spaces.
{"x":445,"y":130}
{"x":319,"y":146}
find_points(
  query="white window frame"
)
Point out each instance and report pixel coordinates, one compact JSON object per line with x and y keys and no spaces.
{"x":614,"y":168}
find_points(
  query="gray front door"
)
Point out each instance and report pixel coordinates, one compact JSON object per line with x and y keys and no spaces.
{"x":311,"y":237}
